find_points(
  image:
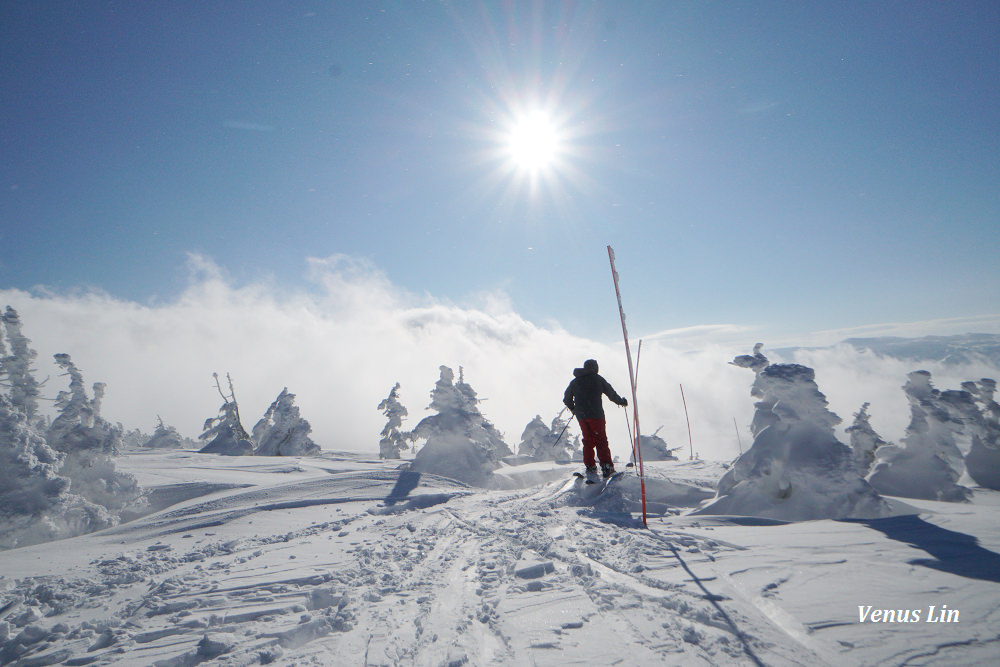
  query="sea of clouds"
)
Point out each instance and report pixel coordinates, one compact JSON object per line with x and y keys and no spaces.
{"x":341,"y":345}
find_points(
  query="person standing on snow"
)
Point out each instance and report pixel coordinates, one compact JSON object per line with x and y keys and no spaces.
{"x":584,"y":399}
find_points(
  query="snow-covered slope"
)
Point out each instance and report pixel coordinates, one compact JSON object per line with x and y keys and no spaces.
{"x":345,"y":561}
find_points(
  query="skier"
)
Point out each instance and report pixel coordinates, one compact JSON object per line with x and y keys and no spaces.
{"x":583,"y":398}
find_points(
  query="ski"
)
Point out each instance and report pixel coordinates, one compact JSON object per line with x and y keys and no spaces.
{"x":613,"y":477}
{"x":604,"y":481}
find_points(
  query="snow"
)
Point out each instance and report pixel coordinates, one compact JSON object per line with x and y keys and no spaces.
{"x":341,"y":559}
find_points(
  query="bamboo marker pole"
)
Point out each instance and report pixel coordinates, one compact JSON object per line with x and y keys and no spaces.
{"x":690,"y":441}
{"x":636,"y":451}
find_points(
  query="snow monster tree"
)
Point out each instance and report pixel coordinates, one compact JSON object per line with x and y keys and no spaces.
{"x":282,"y":432}
{"x":983,"y":459}
{"x":393,"y":440}
{"x":56,"y":480}
{"x":865,"y":442}
{"x":796,"y":468}
{"x":88,"y":442}
{"x":225,"y":433}
{"x":549,"y":442}
{"x":928,"y":463}
{"x":460,"y":442}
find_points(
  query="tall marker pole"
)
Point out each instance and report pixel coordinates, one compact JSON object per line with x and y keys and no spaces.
{"x":636,"y":450}
{"x":638,"y":353}
{"x":688,"y":419}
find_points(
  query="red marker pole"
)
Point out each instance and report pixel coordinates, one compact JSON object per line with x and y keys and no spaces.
{"x":636,"y":451}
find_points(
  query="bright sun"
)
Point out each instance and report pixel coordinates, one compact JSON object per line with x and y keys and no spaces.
{"x":534,"y":142}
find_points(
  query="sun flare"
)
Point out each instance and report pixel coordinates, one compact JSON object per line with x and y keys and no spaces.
{"x":534,"y":142}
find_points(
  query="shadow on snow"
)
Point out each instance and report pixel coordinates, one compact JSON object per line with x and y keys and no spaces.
{"x":952,"y":551}
{"x":405,"y":483}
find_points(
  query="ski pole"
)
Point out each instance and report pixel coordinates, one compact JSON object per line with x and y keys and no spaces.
{"x":628,"y":423}
{"x":558,"y":437}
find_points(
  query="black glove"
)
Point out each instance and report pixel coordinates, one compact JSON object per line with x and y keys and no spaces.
{"x":624,"y":403}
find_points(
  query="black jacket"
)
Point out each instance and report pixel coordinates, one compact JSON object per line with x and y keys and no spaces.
{"x":583,"y":395}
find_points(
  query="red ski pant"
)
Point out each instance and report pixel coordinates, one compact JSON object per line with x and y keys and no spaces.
{"x":594,"y":437}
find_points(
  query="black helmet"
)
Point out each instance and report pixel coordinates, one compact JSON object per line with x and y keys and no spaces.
{"x":590,"y":365}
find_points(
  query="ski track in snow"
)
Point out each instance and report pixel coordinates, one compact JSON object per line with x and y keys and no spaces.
{"x":343,"y":565}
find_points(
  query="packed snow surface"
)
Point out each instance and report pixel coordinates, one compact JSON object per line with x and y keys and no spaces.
{"x":339,"y":560}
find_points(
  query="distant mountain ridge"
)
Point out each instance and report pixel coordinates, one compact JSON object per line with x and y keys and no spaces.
{"x":951,"y":350}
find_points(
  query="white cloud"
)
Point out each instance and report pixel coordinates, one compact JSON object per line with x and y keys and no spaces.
{"x":696,"y":337}
{"x":341,"y":346}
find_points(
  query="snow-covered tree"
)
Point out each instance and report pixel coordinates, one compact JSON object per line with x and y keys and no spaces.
{"x":983,"y":391}
{"x":489,"y":436}
{"x":460,"y":442}
{"x":282,"y":432}
{"x":164,"y":437}
{"x":927,"y":463}
{"x":134,"y":438}
{"x":533,"y":438}
{"x":55,"y":481}
{"x":88,"y":442}
{"x":393,"y":440}
{"x":225,"y":433}
{"x":792,"y":398}
{"x":654,"y":448}
{"x":796,"y":469}
{"x":755,"y":361}
{"x":16,"y":369}
{"x":79,"y":425}
{"x":864,"y":440}
{"x":30,"y":483}
{"x":550,"y":442}
{"x":983,"y":459}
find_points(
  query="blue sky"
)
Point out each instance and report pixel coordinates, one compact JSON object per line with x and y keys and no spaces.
{"x":787,"y":166}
